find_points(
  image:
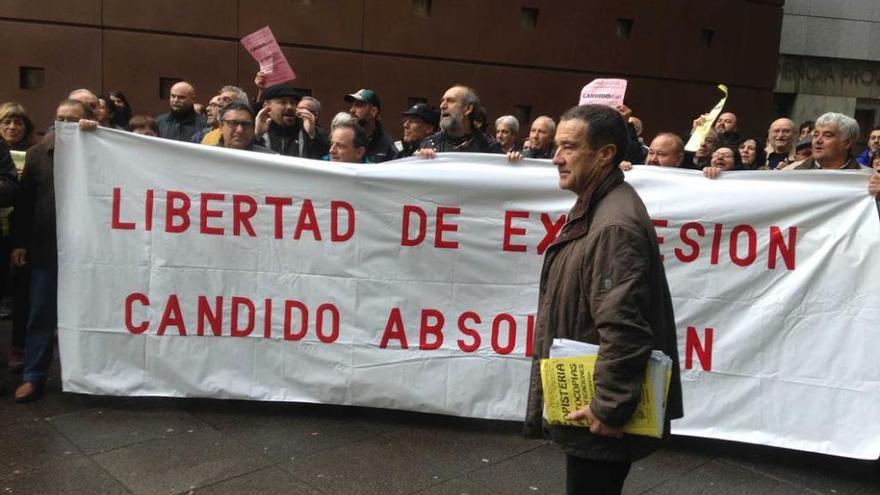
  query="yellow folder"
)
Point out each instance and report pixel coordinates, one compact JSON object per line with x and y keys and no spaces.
{"x":567,"y":378}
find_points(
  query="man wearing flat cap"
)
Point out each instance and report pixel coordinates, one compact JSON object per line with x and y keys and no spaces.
{"x":287,"y":130}
{"x":365,"y":107}
{"x":419,"y":121}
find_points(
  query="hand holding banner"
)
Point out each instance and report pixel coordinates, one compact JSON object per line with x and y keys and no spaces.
{"x":608,"y":92}
{"x":700,"y":132}
{"x":265,"y":50}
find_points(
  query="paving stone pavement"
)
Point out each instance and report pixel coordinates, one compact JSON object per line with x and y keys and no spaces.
{"x":78,"y":444}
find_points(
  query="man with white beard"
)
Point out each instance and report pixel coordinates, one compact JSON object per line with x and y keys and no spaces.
{"x":457,"y":132}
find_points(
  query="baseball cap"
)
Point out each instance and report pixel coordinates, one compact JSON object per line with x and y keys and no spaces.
{"x":366,"y":96}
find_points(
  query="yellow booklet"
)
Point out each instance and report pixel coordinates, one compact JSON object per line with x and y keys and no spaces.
{"x":567,"y":378}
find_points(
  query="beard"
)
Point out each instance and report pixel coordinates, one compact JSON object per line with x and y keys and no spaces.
{"x":452,"y":123}
{"x":364,"y":122}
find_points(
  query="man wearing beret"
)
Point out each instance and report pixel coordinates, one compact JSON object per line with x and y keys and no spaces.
{"x":286,"y":129}
{"x":419,"y":121}
{"x":365,"y":107}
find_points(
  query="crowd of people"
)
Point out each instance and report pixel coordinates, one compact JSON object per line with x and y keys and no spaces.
{"x":280,"y":120}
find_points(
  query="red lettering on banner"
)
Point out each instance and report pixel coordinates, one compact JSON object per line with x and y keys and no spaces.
{"x":405,"y":239}
{"x":752,"y":249}
{"x":180,"y":212}
{"x":307,"y":221}
{"x":335,"y":234}
{"x":778,"y":245}
{"x":172,"y":316}
{"x":431,"y":324}
{"x":694,"y":245}
{"x":279,"y":204}
{"x":115,"y":223}
{"x":442,"y":227}
{"x":468,"y":331}
{"x":660,"y":238}
{"x":148,"y":211}
{"x":207,"y":213}
{"x":334,"y":323}
{"x":234,"y":329}
{"x":716,"y":244}
{"x":289,"y":306}
{"x":131,"y":327}
{"x":702,"y":349}
{"x":496,"y":332}
{"x":267,"y":318}
{"x":213,"y":318}
{"x":552,"y":230}
{"x":510,"y":231}
{"x":394,"y":329}
{"x":243,"y":209}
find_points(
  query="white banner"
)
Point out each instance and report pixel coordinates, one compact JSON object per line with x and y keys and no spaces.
{"x":187,"y":270}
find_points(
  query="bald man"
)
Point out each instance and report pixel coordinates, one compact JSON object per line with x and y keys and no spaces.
{"x":182,"y":122}
{"x":86,"y":97}
{"x":541,"y":139}
{"x":727,"y":128}
{"x":780,"y":143}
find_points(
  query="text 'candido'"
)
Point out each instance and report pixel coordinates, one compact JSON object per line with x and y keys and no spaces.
{"x":293,"y":320}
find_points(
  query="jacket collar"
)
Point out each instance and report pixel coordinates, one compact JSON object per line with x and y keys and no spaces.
{"x":578,"y":222}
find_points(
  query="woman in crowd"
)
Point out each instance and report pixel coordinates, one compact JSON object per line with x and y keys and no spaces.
{"x":120,"y":110}
{"x":753,"y":156}
{"x":723,"y":159}
{"x":16,"y":129}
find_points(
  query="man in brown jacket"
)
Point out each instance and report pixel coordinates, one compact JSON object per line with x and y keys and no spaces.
{"x":603,"y":282}
{"x":36,"y":245}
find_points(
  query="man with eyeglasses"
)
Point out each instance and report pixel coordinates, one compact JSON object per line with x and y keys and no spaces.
{"x":35,"y":244}
{"x":237,"y":127}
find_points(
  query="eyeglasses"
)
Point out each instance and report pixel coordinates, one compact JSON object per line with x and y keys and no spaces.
{"x":245,"y":124}
{"x":66,"y":119}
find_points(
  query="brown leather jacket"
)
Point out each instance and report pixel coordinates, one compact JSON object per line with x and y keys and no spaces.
{"x":603,"y":282}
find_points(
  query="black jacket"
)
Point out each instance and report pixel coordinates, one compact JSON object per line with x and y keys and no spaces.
{"x":380,"y":146}
{"x":286,"y":141}
{"x":180,"y":127}
{"x":534,"y":153}
{"x":8,"y":177}
{"x":475,"y":142}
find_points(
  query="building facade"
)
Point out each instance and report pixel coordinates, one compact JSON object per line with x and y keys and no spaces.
{"x":830,"y":60}
{"x":529,"y":57}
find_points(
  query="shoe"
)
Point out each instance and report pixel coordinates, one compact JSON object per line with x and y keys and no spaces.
{"x":28,"y":392}
{"x":16,"y":360}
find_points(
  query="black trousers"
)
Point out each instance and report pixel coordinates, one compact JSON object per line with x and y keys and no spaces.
{"x":588,"y":477}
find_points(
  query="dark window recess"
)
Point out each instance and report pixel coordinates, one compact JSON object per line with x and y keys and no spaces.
{"x":422,"y":8}
{"x":303,"y":91}
{"x":529,"y":18}
{"x":165,"y":84}
{"x":624,"y":28}
{"x":523,"y":114}
{"x":866,"y":118}
{"x":707,"y":36}
{"x":783,"y":104}
{"x":412,"y":100}
{"x":31,"y":77}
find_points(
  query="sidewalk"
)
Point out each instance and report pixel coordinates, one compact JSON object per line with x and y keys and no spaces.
{"x":69,"y":443}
